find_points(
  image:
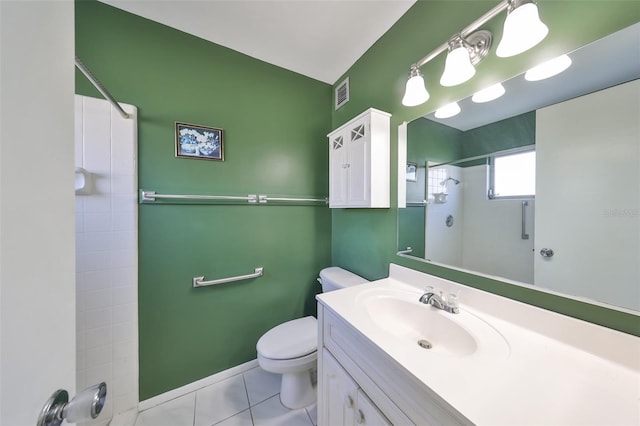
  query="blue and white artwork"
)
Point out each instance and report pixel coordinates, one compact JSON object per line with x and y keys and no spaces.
{"x":195,"y":141}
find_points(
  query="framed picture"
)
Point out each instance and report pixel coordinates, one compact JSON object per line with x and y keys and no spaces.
{"x":412,"y":171}
{"x":193,"y":141}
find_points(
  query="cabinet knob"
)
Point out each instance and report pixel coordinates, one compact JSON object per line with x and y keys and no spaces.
{"x":360,"y":417}
{"x":349,"y":401}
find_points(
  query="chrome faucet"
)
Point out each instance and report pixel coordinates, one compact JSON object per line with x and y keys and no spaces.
{"x":449,"y":304}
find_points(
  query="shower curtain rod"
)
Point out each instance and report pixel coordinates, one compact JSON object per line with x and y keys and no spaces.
{"x":82,"y":67}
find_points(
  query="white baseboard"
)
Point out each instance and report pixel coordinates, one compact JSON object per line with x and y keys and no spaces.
{"x":192,"y":387}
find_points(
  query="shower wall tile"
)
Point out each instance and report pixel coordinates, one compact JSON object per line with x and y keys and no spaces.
{"x":125,"y":294}
{"x":99,"y":355}
{"x":125,"y":277}
{"x":106,"y":255}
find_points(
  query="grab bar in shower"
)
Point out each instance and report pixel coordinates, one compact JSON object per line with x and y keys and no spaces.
{"x":199,"y":281}
{"x":152,"y":196}
{"x":524,"y":235}
{"x":408,"y":250}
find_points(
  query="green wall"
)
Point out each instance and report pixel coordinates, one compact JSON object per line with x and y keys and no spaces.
{"x":275,"y":124}
{"x":365,"y":241}
{"x":505,"y":134}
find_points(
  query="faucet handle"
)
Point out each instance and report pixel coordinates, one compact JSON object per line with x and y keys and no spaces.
{"x":452,"y":300}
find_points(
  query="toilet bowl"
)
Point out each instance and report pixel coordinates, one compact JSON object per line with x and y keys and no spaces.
{"x":290,"y":348}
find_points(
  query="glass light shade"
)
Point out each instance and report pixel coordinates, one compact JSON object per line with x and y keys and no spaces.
{"x":523,"y":29}
{"x":415,"y":92}
{"x":457,"y":67}
{"x":448,"y":110}
{"x":488,"y":94}
{"x":548,"y":69}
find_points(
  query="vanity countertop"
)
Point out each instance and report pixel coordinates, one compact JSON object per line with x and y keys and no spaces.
{"x":553,"y":369}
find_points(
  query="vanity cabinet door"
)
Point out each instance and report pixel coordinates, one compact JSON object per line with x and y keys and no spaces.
{"x":368,"y":414}
{"x":345,"y":402}
{"x":340,"y":393}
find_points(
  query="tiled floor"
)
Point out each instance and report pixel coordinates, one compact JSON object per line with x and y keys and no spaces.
{"x":251,"y":398}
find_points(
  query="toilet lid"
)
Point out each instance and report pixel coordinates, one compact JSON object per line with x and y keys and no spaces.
{"x":292,"y":339}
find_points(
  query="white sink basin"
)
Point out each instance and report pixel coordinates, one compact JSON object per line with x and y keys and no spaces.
{"x":435,"y":332}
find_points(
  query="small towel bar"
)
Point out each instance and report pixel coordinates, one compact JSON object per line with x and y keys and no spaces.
{"x":199,"y":281}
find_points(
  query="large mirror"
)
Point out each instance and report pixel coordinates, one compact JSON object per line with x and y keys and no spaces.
{"x":540,"y":186}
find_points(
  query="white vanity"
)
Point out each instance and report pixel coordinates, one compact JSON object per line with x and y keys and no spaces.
{"x":386,"y":358}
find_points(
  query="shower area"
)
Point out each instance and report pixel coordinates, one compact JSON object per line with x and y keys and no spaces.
{"x":106,"y":253}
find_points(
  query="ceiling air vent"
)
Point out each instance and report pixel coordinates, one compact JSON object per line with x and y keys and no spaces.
{"x":342,"y":93}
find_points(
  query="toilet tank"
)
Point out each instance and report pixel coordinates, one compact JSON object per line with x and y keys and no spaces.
{"x":335,"y":278}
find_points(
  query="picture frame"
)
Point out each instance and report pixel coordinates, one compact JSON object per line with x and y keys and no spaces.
{"x":199,"y":142}
{"x":412,"y":172}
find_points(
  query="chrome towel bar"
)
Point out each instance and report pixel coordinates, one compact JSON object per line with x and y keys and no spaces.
{"x":152,"y":196}
{"x":199,"y":281}
{"x":147,"y":196}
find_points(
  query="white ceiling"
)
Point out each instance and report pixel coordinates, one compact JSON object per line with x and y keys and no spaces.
{"x":317,"y":38}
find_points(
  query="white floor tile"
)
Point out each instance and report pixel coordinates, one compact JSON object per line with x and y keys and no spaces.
{"x":127,"y":418}
{"x":261,"y":385}
{"x":241,"y":419}
{"x":313,"y":413}
{"x":177,"y":412}
{"x":220,"y":401}
{"x":271,"y":413}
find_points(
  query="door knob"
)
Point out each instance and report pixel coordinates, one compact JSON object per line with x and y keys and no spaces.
{"x":546,"y":252}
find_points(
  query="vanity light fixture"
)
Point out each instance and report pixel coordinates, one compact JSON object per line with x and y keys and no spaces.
{"x":488,"y":94}
{"x":463,"y":54}
{"x":415,"y":92}
{"x":448,"y":110}
{"x":548,"y":69}
{"x":523,"y":30}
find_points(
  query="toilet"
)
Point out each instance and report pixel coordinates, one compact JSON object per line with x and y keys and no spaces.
{"x":291,"y":348}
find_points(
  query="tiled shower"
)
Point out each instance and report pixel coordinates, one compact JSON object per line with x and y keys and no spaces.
{"x":106,"y":253}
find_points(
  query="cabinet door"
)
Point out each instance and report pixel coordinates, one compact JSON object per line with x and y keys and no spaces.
{"x":339,"y":392}
{"x":359,"y":145}
{"x":367,"y":413}
{"x":338,"y":170}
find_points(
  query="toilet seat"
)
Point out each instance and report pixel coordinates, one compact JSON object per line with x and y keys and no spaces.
{"x":292,"y":339}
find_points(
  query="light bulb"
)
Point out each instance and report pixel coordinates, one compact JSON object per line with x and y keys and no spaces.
{"x":415,"y":92}
{"x":523,"y":29}
{"x":457,"y":68}
{"x":488,"y":94}
{"x":548,"y":69}
{"x":448,"y":110}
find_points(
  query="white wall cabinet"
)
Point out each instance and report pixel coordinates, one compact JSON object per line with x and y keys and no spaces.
{"x":346,"y":404}
{"x":359,"y":162}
